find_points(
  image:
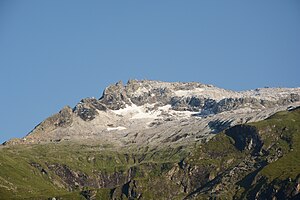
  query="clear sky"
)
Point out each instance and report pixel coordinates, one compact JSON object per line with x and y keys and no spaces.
{"x":54,"y":53}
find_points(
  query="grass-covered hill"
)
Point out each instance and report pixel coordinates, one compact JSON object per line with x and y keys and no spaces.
{"x":258,"y":160}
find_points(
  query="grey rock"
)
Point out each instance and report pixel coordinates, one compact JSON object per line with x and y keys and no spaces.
{"x":154,"y":112}
{"x":87,"y":108}
{"x":115,"y":96}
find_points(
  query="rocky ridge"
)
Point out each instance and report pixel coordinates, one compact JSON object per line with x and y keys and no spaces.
{"x":155,"y":112}
{"x":137,"y":142}
{"x":249,"y":161}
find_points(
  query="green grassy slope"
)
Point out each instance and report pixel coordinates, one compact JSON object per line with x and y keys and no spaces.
{"x":244,"y":161}
{"x":25,"y":170}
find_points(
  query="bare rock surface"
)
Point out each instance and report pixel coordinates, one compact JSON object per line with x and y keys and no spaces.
{"x":160,"y":113}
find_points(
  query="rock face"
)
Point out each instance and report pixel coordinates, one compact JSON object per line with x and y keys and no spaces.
{"x":259,"y":160}
{"x":193,"y":96}
{"x":245,"y":138}
{"x":159,"y":140}
{"x":147,"y":107}
{"x":87,"y":109}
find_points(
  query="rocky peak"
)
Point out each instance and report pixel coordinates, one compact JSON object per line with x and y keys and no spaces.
{"x":143,"y":92}
{"x":169,"y":107}
{"x":87,"y":108}
{"x":115,"y":96}
{"x":194,"y":97}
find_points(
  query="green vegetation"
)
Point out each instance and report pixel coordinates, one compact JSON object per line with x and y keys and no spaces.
{"x":70,"y":170}
{"x":19,"y":180}
{"x":285,"y":127}
{"x":25,"y":171}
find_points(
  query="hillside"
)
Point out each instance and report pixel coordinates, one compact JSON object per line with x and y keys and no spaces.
{"x":156,"y":113}
{"x":244,"y":147}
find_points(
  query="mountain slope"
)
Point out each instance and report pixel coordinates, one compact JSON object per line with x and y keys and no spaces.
{"x":154,"y":112}
{"x":158,"y":140}
{"x":246,"y":161}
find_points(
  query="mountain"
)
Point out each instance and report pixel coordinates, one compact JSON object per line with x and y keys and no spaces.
{"x":155,"y":113}
{"x":161,"y":140}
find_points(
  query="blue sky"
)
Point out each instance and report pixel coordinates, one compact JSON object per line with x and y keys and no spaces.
{"x":54,"y":53}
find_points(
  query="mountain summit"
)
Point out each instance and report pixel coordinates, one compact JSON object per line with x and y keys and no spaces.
{"x":160,"y":113}
{"x":160,"y":140}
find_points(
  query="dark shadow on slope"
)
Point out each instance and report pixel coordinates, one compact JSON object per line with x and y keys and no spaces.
{"x":218,"y":125}
{"x":246,"y":138}
{"x":205,"y":187}
{"x":248,"y":180}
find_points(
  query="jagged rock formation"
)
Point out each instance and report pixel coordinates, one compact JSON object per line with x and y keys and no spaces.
{"x":159,"y":140}
{"x":135,"y":113}
{"x":249,"y":161}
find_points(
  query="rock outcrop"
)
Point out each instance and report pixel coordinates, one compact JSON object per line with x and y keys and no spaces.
{"x":157,"y":140}
{"x":147,"y":107}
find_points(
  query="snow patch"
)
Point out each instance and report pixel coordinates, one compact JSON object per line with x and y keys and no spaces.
{"x":180,"y":114}
{"x":127,"y":110}
{"x":146,"y":112}
{"x":165,"y":108}
{"x":146,"y":115}
{"x":116,"y":128}
{"x":193,"y":92}
{"x":138,"y":112}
